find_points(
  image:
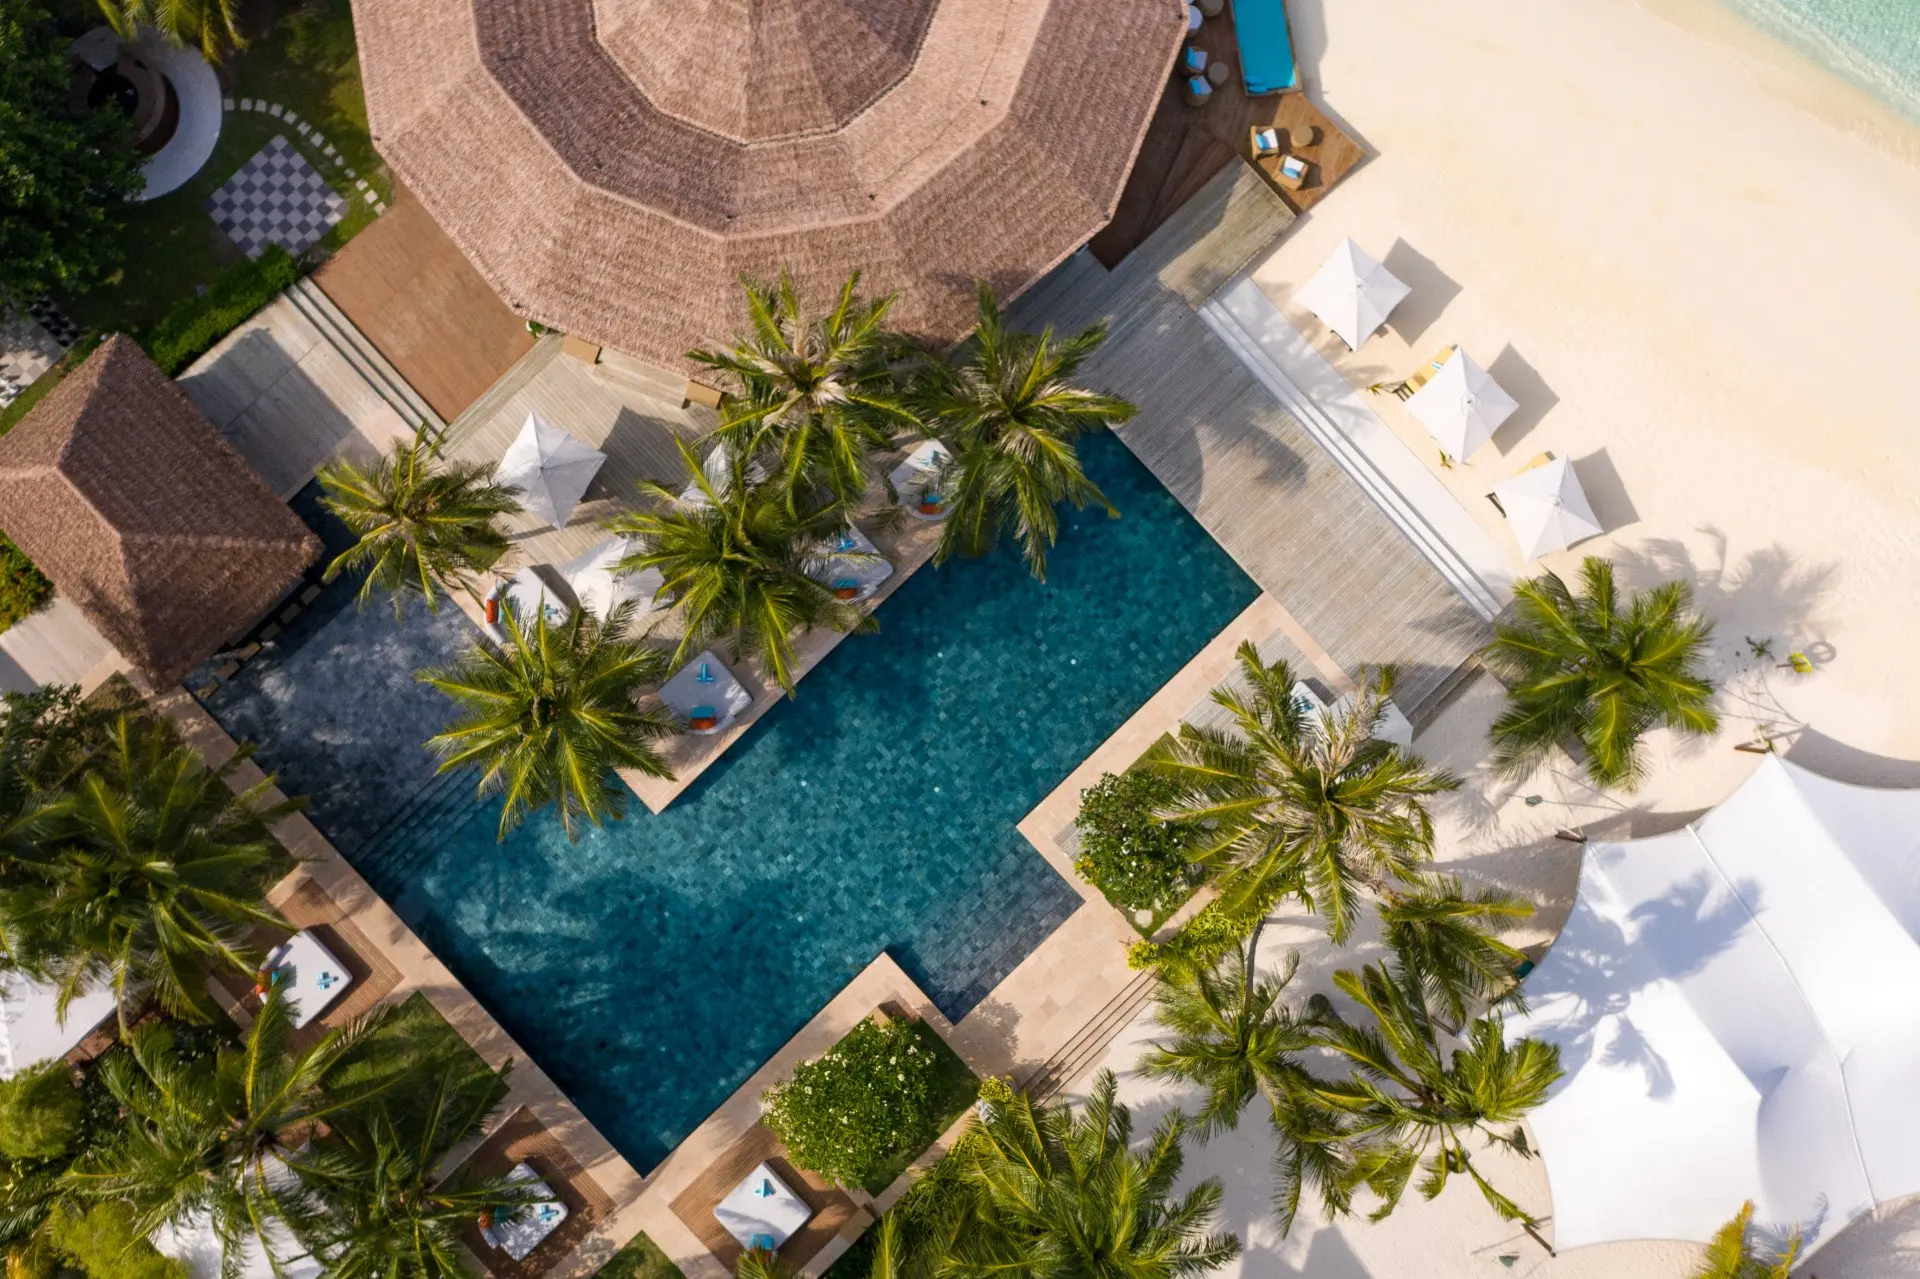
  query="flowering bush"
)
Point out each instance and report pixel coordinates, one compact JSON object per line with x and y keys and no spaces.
{"x":1125,"y":851}
{"x":849,"y":1112}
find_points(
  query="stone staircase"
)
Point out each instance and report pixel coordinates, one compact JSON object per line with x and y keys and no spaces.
{"x":1082,"y":1052}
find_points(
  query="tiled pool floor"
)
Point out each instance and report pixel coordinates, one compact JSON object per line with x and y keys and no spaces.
{"x":652,"y":966}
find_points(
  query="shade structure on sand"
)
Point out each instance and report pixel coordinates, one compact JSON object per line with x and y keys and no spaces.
{"x":550,"y":468}
{"x":600,"y":585}
{"x":1735,"y":1011}
{"x":1546,"y":508}
{"x":1461,"y":405}
{"x":1352,"y":294}
{"x":614,"y":166}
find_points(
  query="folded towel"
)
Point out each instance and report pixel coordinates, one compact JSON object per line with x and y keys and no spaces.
{"x":701,"y":712}
{"x":705,"y":674}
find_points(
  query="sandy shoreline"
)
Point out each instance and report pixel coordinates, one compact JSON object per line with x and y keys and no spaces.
{"x":1694,"y":257}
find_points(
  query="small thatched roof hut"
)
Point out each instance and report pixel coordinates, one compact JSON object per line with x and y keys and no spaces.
{"x":613,"y":166}
{"x":129,"y":500}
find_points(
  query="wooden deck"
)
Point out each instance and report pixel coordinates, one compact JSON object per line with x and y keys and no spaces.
{"x":1187,"y":146}
{"x":632,"y":412}
{"x":832,"y":1209}
{"x":410,"y":290}
{"x":522,"y":1139}
{"x":1222,"y":444}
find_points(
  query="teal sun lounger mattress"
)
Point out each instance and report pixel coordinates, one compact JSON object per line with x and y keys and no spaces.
{"x":1266,"y":46}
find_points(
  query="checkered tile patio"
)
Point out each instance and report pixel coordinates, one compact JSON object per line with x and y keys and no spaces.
{"x":276,"y":198}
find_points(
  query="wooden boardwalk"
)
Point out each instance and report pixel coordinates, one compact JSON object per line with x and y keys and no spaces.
{"x":1221,"y":443}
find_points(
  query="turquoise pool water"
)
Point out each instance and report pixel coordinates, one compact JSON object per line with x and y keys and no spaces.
{"x":652,"y":966}
{"x":1874,"y":43}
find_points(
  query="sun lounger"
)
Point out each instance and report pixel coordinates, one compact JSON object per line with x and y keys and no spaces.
{"x":1266,"y":47}
{"x":307,"y":973}
{"x":1317,"y":699}
{"x":762,"y":1211}
{"x":519,"y":1232}
{"x":705,"y":694}
{"x":914,"y":479}
{"x":850,"y":566}
{"x":529,"y":595}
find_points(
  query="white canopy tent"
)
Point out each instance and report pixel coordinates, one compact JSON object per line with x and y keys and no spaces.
{"x":1352,"y":294}
{"x":550,"y":468}
{"x":1737,"y":1006}
{"x":1546,"y":508}
{"x":1461,"y":405}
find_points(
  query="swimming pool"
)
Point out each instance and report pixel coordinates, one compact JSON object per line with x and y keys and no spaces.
{"x":652,"y":966}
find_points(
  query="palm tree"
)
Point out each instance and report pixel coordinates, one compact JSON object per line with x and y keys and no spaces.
{"x":735,"y":561}
{"x":758,"y":1263}
{"x":1052,"y":1193}
{"x":424,"y":525}
{"x":1009,"y":412}
{"x":1284,"y":803}
{"x":213,"y":26}
{"x":1732,"y":1255}
{"x":1230,"y":1034}
{"x":1580,"y":668}
{"x":816,"y":392}
{"x":211,"y":1135}
{"x":1443,"y":940}
{"x":1406,"y":1108}
{"x":371,"y":1199}
{"x":147,"y":874}
{"x":549,"y":717}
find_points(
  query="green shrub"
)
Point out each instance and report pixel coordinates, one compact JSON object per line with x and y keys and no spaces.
{"x":1125,"y":851}
{"x":23,"y":588}
{"x":103,"y":1243}
{"x":40,"y":1112}
{"x":871,"y":1098}
{"x":190,"y":329}
{"x":1207,"y":936}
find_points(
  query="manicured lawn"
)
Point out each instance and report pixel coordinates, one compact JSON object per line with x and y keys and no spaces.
{"x":640,"y":1259}
{"x":955,"y":1088}
{"x":305,"y":61}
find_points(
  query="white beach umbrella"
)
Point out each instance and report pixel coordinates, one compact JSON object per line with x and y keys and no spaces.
{"x":601,"y":587}
{"x":1461,"y":405}
{"x":1546,"y":508}
{"x":550,"y":468}
{"x":1352,"y":294}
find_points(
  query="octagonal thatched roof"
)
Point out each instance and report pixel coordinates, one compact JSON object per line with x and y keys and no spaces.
{"x":613,"y":166}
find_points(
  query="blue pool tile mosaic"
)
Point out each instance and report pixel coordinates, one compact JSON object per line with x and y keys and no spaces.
{"x":652,"y":966}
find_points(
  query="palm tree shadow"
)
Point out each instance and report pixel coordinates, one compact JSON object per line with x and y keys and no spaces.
{"x":1597,"y":966}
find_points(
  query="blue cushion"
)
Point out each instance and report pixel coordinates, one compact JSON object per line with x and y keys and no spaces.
{"x":764,"y":1242}
{"x":1195,"y":59}
{"x":702,"y":712}
{"x":1266,"y":47}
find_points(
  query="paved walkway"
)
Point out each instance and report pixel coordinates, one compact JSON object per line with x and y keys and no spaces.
{"x":297,"y":385}
{"x":56,"y":645}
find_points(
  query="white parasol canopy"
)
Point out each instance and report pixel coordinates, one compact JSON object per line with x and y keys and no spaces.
{"x":600,"y":586}
{"x":1352,"y":294}
{"x":1736,"y":1014}
{"x":1546,"y":508}
{"x":550,"y":468}
{"x":1461,"y":405}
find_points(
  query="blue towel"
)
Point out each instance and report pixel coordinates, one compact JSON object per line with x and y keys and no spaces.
{"x":763,"y":1242}
{"x":702,"y":712}
{"x":845,"y":584}
{"x":705,"y":674}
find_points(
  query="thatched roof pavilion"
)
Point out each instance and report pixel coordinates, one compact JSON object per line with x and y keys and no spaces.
{"x":613,"y":166}
{"x":129,"y":500}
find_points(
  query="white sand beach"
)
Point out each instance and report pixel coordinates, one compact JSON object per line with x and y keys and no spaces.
{"x":1694,"y":260}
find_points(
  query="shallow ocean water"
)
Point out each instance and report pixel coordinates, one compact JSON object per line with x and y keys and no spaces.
{"x":1873,"y":43}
